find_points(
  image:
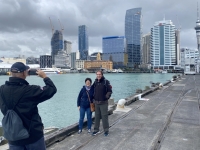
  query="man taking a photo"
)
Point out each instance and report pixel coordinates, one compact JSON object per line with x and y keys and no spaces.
{"x":24,"y":98}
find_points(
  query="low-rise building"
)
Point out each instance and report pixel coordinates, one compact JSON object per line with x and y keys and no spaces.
{"x":80,"y":64}
{"x":98,"y":64}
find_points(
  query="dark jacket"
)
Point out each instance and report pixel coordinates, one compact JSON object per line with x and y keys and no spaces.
{"x":29,"y":97}
{"x":102,"y":90}
{"x":82,"y":99}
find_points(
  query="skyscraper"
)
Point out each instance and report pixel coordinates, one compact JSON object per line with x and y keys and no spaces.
{"x":67,"y":46}
{"x":133,"y":36}
{"x":114,"y":49}
{"x":83,"y":42}
{"x":56,"y":43}
{"x":146,"y":49}
{"x":163,"y":46}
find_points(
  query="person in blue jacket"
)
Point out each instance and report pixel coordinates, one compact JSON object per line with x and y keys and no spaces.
{"x":83,"y":104}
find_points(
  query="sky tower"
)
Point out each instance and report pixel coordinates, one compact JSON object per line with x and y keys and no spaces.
{"x":197,"y":28}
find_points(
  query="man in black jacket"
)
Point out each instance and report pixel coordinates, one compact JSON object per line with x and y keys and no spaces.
{"x":102,"y":92}
{"x":28,"y":97}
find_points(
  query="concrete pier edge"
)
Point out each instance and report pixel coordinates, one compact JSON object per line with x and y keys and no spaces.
{"x":63,"y":133}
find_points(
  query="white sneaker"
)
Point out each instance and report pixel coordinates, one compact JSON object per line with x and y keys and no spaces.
{"x":79,"y":131}
{"x":89,"y":131}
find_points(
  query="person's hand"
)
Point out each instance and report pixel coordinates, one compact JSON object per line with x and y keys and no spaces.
{"x":41,"y":74}
{"x":79,"y":108}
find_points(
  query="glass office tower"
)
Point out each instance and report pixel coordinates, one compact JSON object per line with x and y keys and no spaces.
{"x":133,"y":36}
{"x":114,"y":49}
{"x":83,"y":42}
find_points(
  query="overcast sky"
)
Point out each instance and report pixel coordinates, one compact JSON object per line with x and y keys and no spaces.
{"x":25,"y":28}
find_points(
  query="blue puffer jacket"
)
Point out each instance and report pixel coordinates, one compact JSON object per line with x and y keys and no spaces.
{"x":82,"y":99}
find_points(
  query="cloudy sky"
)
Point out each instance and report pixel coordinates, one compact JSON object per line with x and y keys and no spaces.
{"x":25,"y":28}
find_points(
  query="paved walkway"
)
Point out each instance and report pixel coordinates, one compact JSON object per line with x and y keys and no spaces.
{"x":170,"y":120}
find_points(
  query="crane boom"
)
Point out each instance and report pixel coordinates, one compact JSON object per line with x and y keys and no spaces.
{"x":62,"y":28}
{"x":52,"y":28}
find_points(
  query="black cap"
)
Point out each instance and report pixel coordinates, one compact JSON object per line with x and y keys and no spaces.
{"x":19,"y":67}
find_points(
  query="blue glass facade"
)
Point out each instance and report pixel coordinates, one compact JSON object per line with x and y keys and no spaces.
{"x":114,"y":49}
{"x":83,"y":42}
{"x":133,"y":35}
{"x":119,"y":59}
{"x":113,"y":44}
{"x":56,"y":44}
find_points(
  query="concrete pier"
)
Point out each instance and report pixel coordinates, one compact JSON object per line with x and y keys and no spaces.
{"x":169,"y":120}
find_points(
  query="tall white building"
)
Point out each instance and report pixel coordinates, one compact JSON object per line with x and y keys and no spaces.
{"x":163,"y":45}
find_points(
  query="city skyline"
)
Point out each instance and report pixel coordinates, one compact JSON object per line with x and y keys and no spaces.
{"x":26,"y":28}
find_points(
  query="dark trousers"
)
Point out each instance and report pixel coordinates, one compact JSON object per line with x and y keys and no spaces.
{"x":38,"y":145}
{"x":101,"y":112}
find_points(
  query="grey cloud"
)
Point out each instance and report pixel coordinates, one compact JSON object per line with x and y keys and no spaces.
{"x":27,"y":23}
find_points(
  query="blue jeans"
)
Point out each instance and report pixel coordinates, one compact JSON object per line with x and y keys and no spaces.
{"x":38,"y":145}
{"x":82,"y":116}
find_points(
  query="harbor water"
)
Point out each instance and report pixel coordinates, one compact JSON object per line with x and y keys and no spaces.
{"x":61,"y":110}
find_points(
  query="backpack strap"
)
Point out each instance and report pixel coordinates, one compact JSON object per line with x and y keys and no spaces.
{"x":105,"y":85}
{"x":3,"y":98}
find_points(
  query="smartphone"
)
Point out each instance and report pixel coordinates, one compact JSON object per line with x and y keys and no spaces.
{"x":32,"y":72}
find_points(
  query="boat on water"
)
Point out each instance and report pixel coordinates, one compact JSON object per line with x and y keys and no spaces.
{"x":114,"y":71}
{"x":120,"y":71}
{"x":52,"y":70}
{"x":164,"y":71}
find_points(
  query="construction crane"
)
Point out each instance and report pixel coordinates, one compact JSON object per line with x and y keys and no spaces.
{"x":61,"y":26}
{"x":52,"y":27}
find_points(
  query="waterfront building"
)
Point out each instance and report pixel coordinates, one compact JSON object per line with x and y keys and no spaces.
{"x":67,"y":46}
{"x":80,"y":64}
{"x":146,"y":49}
{"x":93,"y":56}
{"x":98,"y":64}
{"x":114,"y":49}
{"x":83,"y":42}
{"x":32,"y":60}
{"x":46,"y":61}
{"x":6,"y":63}
{"x":189,"y":58}
{"x":56,"y":44}
{"x":163,"y":46}
{"x":133,"y":36}
{"x":12,"y":60}
{"x":61,"y":59}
